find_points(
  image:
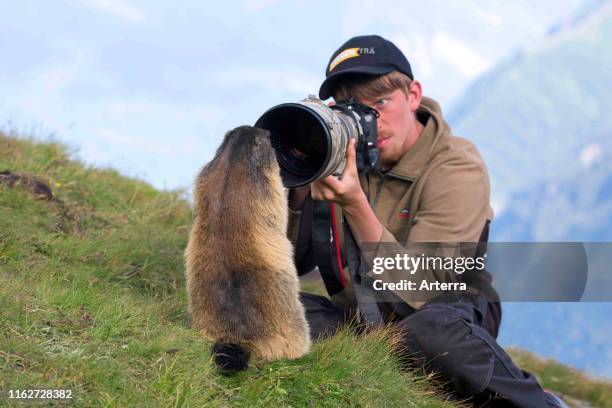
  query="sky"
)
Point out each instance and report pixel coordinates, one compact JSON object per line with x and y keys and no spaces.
{"x":151,"y":87}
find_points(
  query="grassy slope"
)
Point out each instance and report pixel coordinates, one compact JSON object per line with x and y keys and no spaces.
{"x":92,"y":300}
{"x":565,"y":380}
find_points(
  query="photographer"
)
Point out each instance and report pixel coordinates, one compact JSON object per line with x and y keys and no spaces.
{"x":431,"y":187}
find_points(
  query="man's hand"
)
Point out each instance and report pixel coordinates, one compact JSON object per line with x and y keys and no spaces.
{"x":344,"y":191}
{"x":348,"y":194}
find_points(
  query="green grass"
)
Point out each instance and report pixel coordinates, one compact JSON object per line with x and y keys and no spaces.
{"x":565,"y":380}
{"x":92,"y":300}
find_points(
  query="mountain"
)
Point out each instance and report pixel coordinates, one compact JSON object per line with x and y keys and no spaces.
{"x":542,"y":121}
{"x":543,"y":115}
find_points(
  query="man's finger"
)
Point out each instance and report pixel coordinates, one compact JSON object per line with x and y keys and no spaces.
{"x":321,"y":191}
{"x":333,"y":183}
{"x":351,"y":160}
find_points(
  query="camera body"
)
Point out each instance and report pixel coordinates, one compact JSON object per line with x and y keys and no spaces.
{"x":367,"y":152}
{"x":310,"y":138}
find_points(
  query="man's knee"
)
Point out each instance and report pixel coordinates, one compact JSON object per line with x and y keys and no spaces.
{"x":440,"y":339}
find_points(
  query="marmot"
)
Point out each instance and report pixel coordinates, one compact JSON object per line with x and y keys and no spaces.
{"x":242,"y":283}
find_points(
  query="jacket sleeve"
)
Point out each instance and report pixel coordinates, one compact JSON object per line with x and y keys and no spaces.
{"x":453,"y":209}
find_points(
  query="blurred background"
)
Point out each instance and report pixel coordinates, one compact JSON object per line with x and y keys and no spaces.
{"x":150,"y":88}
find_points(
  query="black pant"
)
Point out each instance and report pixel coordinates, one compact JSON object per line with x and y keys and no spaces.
{"x":448,"y":337}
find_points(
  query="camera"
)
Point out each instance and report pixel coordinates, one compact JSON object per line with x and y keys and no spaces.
{"x":310,"y":138}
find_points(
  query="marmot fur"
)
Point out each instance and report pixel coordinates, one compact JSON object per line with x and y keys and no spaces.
{"x":242,"y":283}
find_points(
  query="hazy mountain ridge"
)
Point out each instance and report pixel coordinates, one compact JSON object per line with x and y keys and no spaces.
{"x":542,"y":121}
{"x":570,"y":208}
{"x":532,"y":124}
{"x":585,"y":15}
{"x":575,"y":333}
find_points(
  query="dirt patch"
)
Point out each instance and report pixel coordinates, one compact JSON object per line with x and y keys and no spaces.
{"x":38,"y":187}
{"x":69,"y":217}
{"x":40,"y":190}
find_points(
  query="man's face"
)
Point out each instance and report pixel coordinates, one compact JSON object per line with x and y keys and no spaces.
{"x":397,"y":126}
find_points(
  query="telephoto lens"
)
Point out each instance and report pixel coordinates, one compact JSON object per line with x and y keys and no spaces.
{"x":310,"y":138}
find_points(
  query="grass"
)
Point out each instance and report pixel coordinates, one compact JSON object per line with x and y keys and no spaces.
{"x":565,"y":380}
{"x":92,"y":300}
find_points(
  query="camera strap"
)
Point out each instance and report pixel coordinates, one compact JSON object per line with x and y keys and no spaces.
{"x":326,"y":251}
{"x":367,"y":306}
{"x":326,"y":247}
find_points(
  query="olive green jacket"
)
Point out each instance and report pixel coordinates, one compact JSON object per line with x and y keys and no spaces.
{"x":437,"y":193}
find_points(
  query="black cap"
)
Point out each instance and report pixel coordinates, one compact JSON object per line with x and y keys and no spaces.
{"x":366,"y":54}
